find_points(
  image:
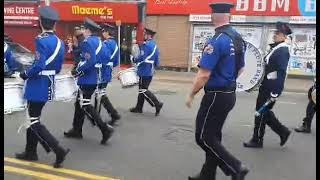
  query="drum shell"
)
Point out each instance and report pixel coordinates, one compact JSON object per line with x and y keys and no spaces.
{"x":13,"y":97}
{"x":128,"y":77}
{"x":65,"y":88}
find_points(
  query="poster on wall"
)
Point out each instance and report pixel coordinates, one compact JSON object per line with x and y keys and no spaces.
{"x":195,"y":59}
{"x":201,"y":34}
{"x":302,"y":51}
{"x":251,"y":34}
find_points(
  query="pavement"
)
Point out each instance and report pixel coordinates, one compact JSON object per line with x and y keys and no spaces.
{"x":145,"y":147}
{"x":291,"y":84}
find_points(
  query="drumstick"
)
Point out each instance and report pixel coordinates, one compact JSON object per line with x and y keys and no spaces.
{"x":263,"y":108}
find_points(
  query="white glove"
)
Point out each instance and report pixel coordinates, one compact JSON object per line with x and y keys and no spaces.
{"x":273,"y":96}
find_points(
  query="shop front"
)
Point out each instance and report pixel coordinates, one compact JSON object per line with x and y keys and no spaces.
{"x":254,"y":19}
{"x":21,"y":21}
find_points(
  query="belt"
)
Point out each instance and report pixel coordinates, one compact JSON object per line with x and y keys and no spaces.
{"x":229,"y":89}
{"x":47,"y":72}
{"x":110,"y":64}
{"x":149,"y":61}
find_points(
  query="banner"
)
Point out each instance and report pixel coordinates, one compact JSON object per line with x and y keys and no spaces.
{"x":97,"y":11}
{"x":242,"y":7}
{"x":21,"y":14}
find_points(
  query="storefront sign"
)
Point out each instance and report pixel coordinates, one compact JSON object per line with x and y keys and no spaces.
{"x":303,"y":20}
{"x":242,"y":7}
{"x":207,"y":18}
{"x":97,"y":11}
{"x":21,"y":14}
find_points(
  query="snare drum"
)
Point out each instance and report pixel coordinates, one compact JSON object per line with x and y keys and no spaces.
{"x":253,"y":73}
{"x":128,"y":77}
{"x":65,"y":88}
{"x":13,"y":97}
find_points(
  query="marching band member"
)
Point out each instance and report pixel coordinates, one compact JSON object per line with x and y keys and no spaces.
{"x":221,"y":63}
{"x":310,"y":111}
{"x":39,"y":88}
{"x":148,"y":58}
{"x":271,"y":88}
{"x":111,"y":44}
{"x":10,"y":64}
{"x":92,"y":54}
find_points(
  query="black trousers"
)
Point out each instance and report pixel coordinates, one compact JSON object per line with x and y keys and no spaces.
{"x":87,"y":109}
{"x":266,"y":118}
{"x":37,"y":132}
{"x":106,"y":102}
{"x":145,"y":94}
{"x":310,"y":111}
{"x":213,"y":111}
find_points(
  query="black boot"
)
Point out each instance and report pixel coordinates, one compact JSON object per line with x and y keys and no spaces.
{"x":107,"y":132}
{"x":242,"y":173}
{"x":284,"y":138}
{"x":27,"y":156}
{"x":72,"y":133}
{"x":135,"y":110}
{"x":158,"y":108}
{"x":205,"y":174}
{"x":304,"y":128}
{"x":60,"y":156}
{"x":30,"y":153}
{"x":114,"y":119}
{"x":256,"y":141}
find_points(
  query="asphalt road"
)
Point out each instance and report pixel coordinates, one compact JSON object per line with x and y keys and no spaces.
{"x":145,"y":147}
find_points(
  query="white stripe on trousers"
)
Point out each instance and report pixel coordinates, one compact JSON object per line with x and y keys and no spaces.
{"x":145,"y":95}
{"x":204,"y":142}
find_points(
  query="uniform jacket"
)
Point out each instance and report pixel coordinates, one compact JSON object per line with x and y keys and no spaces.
{"x":148,"y":58}
{"x":112,"y":61}
{"x":220,"y":58}
{"x":92,"y":53}
{"x":49,"y":59}
{"x":276,"y":68}
{"x":9,"y":61}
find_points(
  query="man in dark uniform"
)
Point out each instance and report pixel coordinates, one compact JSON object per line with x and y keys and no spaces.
{"x":92,"y":54}
{"x":147,"y":60}
{"x":271,"y":88}
{"x":40,"y":87}
{"x":108,"y":32}
{"x":221,"y":63}
{"x":310,"y":111}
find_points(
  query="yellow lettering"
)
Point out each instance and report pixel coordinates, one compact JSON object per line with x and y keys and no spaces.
{"x":91,"y":11}
{"x":109,"y":12}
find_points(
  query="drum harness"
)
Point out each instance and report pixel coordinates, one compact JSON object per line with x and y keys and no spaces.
{"x":33,"y":120}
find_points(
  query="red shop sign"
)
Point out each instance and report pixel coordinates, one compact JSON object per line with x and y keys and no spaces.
{"x":21,"y":14}
{"x":97,"y":11}
{"x":243,"y":7}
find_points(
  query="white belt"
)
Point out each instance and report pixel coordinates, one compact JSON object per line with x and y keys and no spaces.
{"x":98,"y":65}
{"x":47,"y":72}
{"x":149,"y":61}
{"x":110,"y":64}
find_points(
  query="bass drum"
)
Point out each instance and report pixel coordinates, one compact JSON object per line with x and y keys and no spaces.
{"x":253,"y":72}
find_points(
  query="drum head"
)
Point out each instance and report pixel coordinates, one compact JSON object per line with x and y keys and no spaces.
{"x":253,"y":69}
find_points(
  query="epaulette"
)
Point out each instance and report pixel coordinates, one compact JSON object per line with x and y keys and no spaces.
{"x":42,"y":35}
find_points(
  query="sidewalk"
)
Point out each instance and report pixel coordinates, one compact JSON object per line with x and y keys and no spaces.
{"x":291,"y":84}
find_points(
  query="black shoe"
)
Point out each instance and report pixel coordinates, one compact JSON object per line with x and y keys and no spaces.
{"x":158,"y":108}
{"x":27,"y":156}
{"x":242,"y":173}
{"x":206,"y":173}
{"x":114,"y":119}
{"x":73,"y":134}
{"x":106,"y":135}
{"x":303,"y":129}
{"x":253,"y":144}
{"x":284,"y":138}
{"x":135,"y":110}
{"x":60,"y":157}
{"x":196,"y":177}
